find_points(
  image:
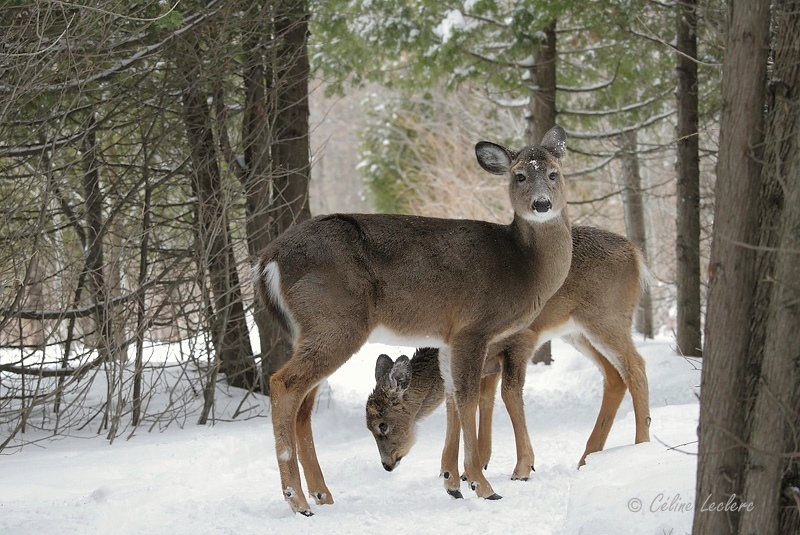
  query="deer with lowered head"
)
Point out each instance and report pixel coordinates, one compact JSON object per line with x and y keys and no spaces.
{"x":336,"y":282}
{"x":592,"y":310}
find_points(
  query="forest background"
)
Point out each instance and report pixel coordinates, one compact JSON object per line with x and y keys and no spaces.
{"x":149,"y":150}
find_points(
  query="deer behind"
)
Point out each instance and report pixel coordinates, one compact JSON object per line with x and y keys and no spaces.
{"x":593,"y":311}
{"x":337,"y":281}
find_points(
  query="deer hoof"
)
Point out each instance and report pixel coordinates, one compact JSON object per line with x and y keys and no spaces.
{"x":494,"y":496}
{"x":519,"y":479}
{"x":455,"y":494}
{"x":321,"y":498}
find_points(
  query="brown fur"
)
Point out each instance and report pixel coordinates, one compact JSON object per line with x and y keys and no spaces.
{"x":601,"y":293}
{"x":333,"y":280}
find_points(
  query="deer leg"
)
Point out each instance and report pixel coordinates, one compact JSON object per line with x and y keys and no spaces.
{"x":450,"y":452}
{"x":613,"y":392}
{"x":466,"y":364}
{"x":289,"y":387}
{"x":633,"y":376}
{"x":636,"y":382}
{"x":315,"y":482}
{"x":511,"y":392}
{"x":485,"y":410}
{"x":518,"y":353}
{"x":286,"y":394}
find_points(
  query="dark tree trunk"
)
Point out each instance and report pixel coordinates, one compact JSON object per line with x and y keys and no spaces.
{"x":291,"y":152}
{"x":291,"y":163}
{"x":722,"y":429}
{"x":688,"y":167}
{"x":770,"y":470}
{"x":229,"y":328}
{"x":542,"y":106}
{"x":94,"y":241}
{"x":633,"y":204}
{"x":257,"y":172}
{"x":542,"y":116}
{"x":141,"y":294}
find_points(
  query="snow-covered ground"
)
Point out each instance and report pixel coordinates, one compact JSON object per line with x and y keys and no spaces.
{"x":223,"y":479}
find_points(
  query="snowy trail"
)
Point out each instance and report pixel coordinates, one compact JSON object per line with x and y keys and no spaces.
{"x":223,"y":479}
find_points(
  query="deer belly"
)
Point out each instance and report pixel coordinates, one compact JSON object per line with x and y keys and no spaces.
{"x":383,"y":335}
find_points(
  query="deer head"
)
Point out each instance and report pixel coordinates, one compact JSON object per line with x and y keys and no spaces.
{"x":390,"y":417}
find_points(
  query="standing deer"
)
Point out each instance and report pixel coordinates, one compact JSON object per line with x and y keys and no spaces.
{"x":593,"y":311}
{"x":335,"y":282}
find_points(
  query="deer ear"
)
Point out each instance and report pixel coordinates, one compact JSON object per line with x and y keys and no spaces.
{"x":555,"y":142}
{"x":400,"y":376}
{"x":494,"y":158}
{"x":382,"y":368}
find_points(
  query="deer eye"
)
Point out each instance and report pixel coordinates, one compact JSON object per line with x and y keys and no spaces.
{"x":382,"y":427}
{"x":520,"y":177}
{"x":553,"y":175}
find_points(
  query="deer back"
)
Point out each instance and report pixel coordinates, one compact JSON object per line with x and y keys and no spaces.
{"x":429,"y":277}
{"x":603,"y":286}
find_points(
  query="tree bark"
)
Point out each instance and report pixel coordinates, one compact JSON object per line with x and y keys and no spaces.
{"x":542,"y":116}
{"x":774,"y":436}
{"x":290,"y":152}
{"x":542,"y":104}
{"x":94,"y":241}
{"x":256,"y":175}
{"x":722,"y":430}
{"x":141,"y":294}
{"x":633,"y":204}
{"x":688,"y":170}
{"x":229,"y":329}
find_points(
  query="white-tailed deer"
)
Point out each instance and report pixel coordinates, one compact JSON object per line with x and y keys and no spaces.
{"x":593,"y":311}
{"x":335,"y":282}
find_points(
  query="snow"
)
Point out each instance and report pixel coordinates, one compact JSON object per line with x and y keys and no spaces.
{"x":223,"y":479}
{"x":453,"y":21}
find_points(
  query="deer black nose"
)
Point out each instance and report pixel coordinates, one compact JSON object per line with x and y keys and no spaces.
{"x":387,"y":467}
{"x":542,"y":205}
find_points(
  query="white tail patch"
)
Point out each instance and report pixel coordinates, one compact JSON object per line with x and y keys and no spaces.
{"x":272,"y":275}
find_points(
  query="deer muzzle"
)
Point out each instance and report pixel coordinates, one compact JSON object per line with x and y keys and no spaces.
{"x":542,"y":205}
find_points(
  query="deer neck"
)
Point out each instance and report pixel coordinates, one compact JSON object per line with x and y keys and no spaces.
{"x":426,"y":390}
{"x":549,"y":247}
{"x":544,"y":234}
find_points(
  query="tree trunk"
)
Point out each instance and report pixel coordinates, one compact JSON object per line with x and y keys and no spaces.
{"x":769,"y":469}
{"x":722,"y":430}
{"x":542,"y":103}
{"x":141,"y":293}
{"x":290,"y":153}
{"x":229,"y":328}
{"x":688,"y":169}
{"x":257,"y":172}
{"x":633,"y":204}
{"x":94,"y":241}
{"x":542,"y":116}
